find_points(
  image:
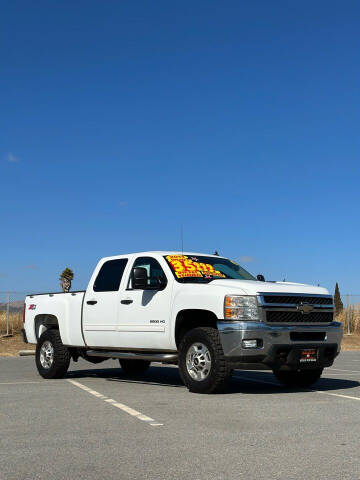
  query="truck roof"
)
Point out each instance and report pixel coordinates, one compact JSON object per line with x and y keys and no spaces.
{"x":163,"y":253}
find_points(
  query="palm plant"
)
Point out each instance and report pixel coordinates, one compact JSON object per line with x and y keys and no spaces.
{"x":65,"y":279}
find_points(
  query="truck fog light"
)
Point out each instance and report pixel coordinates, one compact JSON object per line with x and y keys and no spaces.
{"x":251,"y":343}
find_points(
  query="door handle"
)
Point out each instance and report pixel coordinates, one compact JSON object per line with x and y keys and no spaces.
{"x":126,"y":302}
{"x":91,"y":302}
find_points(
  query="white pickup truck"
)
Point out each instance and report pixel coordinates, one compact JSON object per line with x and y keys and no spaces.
{"x":203,"y":312}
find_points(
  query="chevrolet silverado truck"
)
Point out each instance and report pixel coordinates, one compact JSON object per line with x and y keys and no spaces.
{"x":202,"y":312}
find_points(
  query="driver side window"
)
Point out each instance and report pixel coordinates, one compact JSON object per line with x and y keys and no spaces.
{"x":155,"y":273}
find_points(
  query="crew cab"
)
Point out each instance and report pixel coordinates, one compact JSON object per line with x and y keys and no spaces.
{"x":202,"y":312}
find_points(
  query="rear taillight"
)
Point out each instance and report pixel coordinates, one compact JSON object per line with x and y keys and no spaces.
{"x":24,"y":313}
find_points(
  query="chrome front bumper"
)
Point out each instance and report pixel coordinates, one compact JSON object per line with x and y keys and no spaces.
{"x":277,"y":349}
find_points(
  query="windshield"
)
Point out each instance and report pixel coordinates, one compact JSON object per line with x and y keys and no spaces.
{"x":200,"y":269}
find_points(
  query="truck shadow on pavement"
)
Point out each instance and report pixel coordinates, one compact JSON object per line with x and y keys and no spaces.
{"x":248,"y":382}
{"x":265,"y":382}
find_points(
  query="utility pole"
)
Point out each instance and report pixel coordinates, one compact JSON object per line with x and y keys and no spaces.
{"x":182,"y":238}
{"x":7,"y":314}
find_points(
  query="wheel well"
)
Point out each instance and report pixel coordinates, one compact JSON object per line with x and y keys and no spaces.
{"x":44,"y":322}
{"x":189,"y":319}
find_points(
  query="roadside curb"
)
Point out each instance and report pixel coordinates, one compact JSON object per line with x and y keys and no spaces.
{"x":26,"y":353}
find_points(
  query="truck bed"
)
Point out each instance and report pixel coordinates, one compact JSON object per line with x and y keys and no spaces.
{"x":66,"y":307}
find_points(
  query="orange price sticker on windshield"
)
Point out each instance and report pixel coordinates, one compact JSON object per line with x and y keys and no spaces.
{"x":185,"y":267}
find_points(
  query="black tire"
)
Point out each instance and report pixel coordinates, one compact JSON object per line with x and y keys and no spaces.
{"x":132,"y":367}
{"x":60,"y":357}
{"x":217,"y":374}
{"x":298,"y":378}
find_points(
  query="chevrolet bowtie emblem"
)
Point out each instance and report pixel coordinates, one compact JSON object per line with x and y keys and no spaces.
{"x":305,"y":308}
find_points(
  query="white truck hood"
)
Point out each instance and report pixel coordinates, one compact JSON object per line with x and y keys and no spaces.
{"x":253,"y":287}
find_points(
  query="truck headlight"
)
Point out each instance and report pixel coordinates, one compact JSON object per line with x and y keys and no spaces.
{"x":241,"y":307}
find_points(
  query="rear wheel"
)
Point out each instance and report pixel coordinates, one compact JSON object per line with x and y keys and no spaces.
{"x":298,"y":378}
{"x":202,"y":364}
{"x":52,"y":357}
{"x":134,"y":366}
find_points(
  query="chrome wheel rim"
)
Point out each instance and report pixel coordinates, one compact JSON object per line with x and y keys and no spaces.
{"x":198,"y":362}
{"x":46,"y":354}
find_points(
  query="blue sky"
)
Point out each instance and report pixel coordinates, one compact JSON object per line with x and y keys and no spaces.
{"x":122,"y":120}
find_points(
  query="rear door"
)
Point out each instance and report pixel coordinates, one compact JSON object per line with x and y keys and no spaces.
{"x":101,"y":304}
{"x":144,"y":315}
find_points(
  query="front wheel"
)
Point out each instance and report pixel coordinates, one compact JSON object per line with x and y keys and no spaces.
{"x":202,"y":364}
{"x":52,"y":357}
{"x":298,"y":378}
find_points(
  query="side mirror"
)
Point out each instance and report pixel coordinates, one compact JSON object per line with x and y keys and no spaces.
{"x":162,"y":282}
{"x":260,"y":277}
{"x":139,"y":278}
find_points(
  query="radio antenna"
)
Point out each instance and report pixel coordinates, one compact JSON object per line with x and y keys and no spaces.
{"x":182,"y":239}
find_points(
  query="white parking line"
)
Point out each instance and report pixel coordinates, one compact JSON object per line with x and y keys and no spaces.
{"x":305,"y":389}
{"x":336,"y":395}
{"x":114,"y":403}
{"x":342,"y":370}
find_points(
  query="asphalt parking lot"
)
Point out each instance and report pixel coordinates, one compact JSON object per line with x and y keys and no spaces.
{"x":100,"y":424}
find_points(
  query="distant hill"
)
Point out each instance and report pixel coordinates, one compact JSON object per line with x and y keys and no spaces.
{"x":14,"y":306}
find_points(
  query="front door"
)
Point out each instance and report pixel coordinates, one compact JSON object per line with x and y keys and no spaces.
{"x":144,"y":315}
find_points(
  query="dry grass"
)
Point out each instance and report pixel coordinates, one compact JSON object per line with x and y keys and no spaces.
{"x":351,"y":342}
{"x":354,"y":315}
{"x":15,"y":323}
{"x":10,"y":346}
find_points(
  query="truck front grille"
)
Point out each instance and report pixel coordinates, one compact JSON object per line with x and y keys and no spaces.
{"x":296,"y":299}
{"x":282,"y":316}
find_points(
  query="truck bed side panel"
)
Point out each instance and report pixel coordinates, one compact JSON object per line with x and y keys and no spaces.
{"x":66,"y":307}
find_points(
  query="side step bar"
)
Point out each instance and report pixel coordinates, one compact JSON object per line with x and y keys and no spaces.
{"x":151,"y":357}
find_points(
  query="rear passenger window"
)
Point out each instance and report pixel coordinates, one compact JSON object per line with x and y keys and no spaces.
{"x":109,"y":277}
